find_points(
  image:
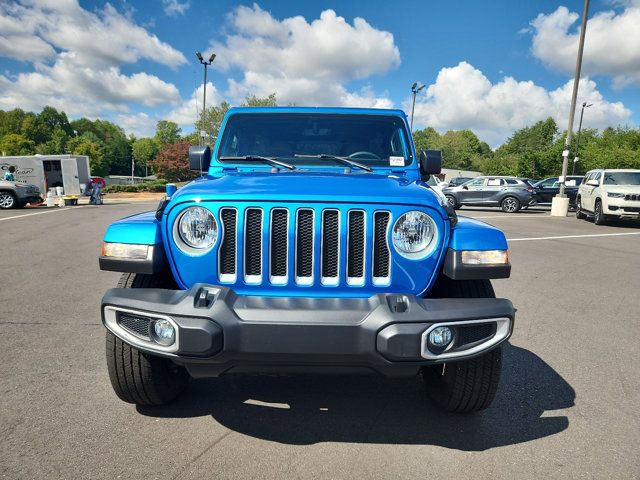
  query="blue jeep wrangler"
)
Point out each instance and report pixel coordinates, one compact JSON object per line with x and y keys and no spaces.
{"x":310,"y":243}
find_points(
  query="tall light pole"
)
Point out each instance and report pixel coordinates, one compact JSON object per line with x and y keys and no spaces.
{"x":414,"y":89}
{"x":204,"y":94}
{"x":560,"y":203}
{"x":576,"y":158}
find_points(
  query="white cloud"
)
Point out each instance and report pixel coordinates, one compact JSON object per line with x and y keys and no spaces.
{"x":187,"y":112}
{"x":139,"y":124}
{"x":463,"y":97}
{"x":77,"y":57}
{"x":612,"y":42}
{"x":304,"y":63}
{"x":175,"y":7}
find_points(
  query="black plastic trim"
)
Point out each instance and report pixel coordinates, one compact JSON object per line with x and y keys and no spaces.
{"x":240,"y":333}
{"x":456,"y":270}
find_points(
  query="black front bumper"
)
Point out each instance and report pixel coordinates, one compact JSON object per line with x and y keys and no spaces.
{"x":219,"y":331}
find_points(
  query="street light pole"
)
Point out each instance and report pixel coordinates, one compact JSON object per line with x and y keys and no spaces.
{"x":560,"y":203}
{"x":577,"y":156}
{"x":204,"y":94}
{"x":414,"y":89}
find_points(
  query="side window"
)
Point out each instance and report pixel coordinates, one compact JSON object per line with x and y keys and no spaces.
{"x":597,"y":176}
{"x":478,"y":182}
{"x":511,"y":181}
{"x":549,"y":182}
{"x":495,"y":182}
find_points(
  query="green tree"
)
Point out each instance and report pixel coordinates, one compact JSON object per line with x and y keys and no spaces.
{"x":11,"y":121}
{"x":167,"y":133}
{"x":89,"y":144}
{"x":425,"y":139}
{"x":172,"y":163}
{"x":15,"y":144}
{"x":144,"y":150}
{"x":56,"y":145}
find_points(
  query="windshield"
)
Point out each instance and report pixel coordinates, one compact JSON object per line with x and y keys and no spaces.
{"x":621,"y":178}
{"x":377,"y":141}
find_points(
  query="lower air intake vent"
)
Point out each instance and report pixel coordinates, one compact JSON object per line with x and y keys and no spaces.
{"x":137,"y":325}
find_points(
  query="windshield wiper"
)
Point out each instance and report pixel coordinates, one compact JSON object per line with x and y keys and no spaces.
{"x":345,"y":160}
{"x":258,"y":158}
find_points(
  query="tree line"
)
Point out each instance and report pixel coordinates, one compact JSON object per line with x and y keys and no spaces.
{"x":534,"y":151}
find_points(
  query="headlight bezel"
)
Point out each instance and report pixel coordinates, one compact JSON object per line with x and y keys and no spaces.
{"x":429,"y":248}
{"x":183,"y":244}
{"x":615,"y":195}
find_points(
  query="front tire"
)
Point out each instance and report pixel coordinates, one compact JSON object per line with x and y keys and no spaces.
{"x":580,"y":215}
{"x":469,"y":385}
{"x":7,"y":200}
{"x":599,"y":218}
{"x":510,"y":205}
{"x":138,"y":377}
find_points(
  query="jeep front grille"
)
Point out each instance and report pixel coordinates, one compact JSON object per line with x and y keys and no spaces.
{"x":632,"y":196}
{"x":317,"y":237}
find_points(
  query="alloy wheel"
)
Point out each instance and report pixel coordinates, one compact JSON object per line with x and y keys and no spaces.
{"x":510,"y":205}
{"x":6,"y":200}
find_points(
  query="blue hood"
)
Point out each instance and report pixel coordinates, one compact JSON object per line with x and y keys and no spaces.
{"x":309,"y":187}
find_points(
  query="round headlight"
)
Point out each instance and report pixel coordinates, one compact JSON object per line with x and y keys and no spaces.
{"x":197,"y":228}
{"x":414,"y":234}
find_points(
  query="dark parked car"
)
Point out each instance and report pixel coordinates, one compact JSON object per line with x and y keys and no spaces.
{"x":455,"y":181}
{"x":548,"y":188}
{"x":509,"y":193}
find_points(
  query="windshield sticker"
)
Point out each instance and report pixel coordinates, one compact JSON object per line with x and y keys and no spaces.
{"x":396,"y":161}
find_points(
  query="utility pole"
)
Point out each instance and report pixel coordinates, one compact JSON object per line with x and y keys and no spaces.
{"x":204,"y":94}
{"x":576,"y":158}
{"x":414,"y":89}
{"x":560,"y":203}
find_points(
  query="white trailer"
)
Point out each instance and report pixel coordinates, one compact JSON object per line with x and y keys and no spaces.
{"x":47,"y":171}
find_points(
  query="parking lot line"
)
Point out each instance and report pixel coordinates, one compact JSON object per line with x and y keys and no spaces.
{"x":573,"y":236}
{"x":36,"y":213}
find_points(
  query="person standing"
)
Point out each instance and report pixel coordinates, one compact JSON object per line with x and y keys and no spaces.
{"x":9,"y":174}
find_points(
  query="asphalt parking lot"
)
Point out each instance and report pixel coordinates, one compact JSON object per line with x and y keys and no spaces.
{"x":567,"y":406}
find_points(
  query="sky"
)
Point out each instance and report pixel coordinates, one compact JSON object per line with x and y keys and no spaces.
{"x":492,"y":67}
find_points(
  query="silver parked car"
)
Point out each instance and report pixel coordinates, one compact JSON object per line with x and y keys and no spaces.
{"x":509,"y":193}
{"x":14,"y":194}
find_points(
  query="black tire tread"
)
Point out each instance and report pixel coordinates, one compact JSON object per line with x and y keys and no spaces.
{"x":469,"y":385}
{"x":137,"y":377}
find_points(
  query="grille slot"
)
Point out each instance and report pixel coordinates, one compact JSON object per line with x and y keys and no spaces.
{"x":356,"y":246}
{"x":381,"y":253}
{"x":330,"y":246}
{"x":253,"y":245}
{"x":279,"y":245}
{"x":138,"y":326}
{"x":304,"y":246}
{"x":227,"y":259}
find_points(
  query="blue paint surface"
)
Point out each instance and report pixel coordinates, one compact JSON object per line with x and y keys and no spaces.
{"x":142,"y":228}
{"x":242,"y":186}
{"x":471,"y":234}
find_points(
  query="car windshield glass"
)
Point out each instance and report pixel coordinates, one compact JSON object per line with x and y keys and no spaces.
{"x":621,"y":178}
{"x":304,"y":139}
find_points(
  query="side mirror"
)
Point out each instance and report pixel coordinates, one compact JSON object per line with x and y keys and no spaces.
{"x":430,"y":162}
{"x":464,"y":187}
{"x":593,"y":183}
{"x":199,"y":158}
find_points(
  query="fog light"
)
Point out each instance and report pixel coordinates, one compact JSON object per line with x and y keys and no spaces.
{"x":440,"y":337}
{"x":164,"y":333}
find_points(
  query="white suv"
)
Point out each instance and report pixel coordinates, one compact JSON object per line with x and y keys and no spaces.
{"x":608,"y":194}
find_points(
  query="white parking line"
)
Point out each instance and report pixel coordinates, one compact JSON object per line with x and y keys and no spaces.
{"x":573,"y":236}
{"x":37,"y":213}
{"x":539,"y":215}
